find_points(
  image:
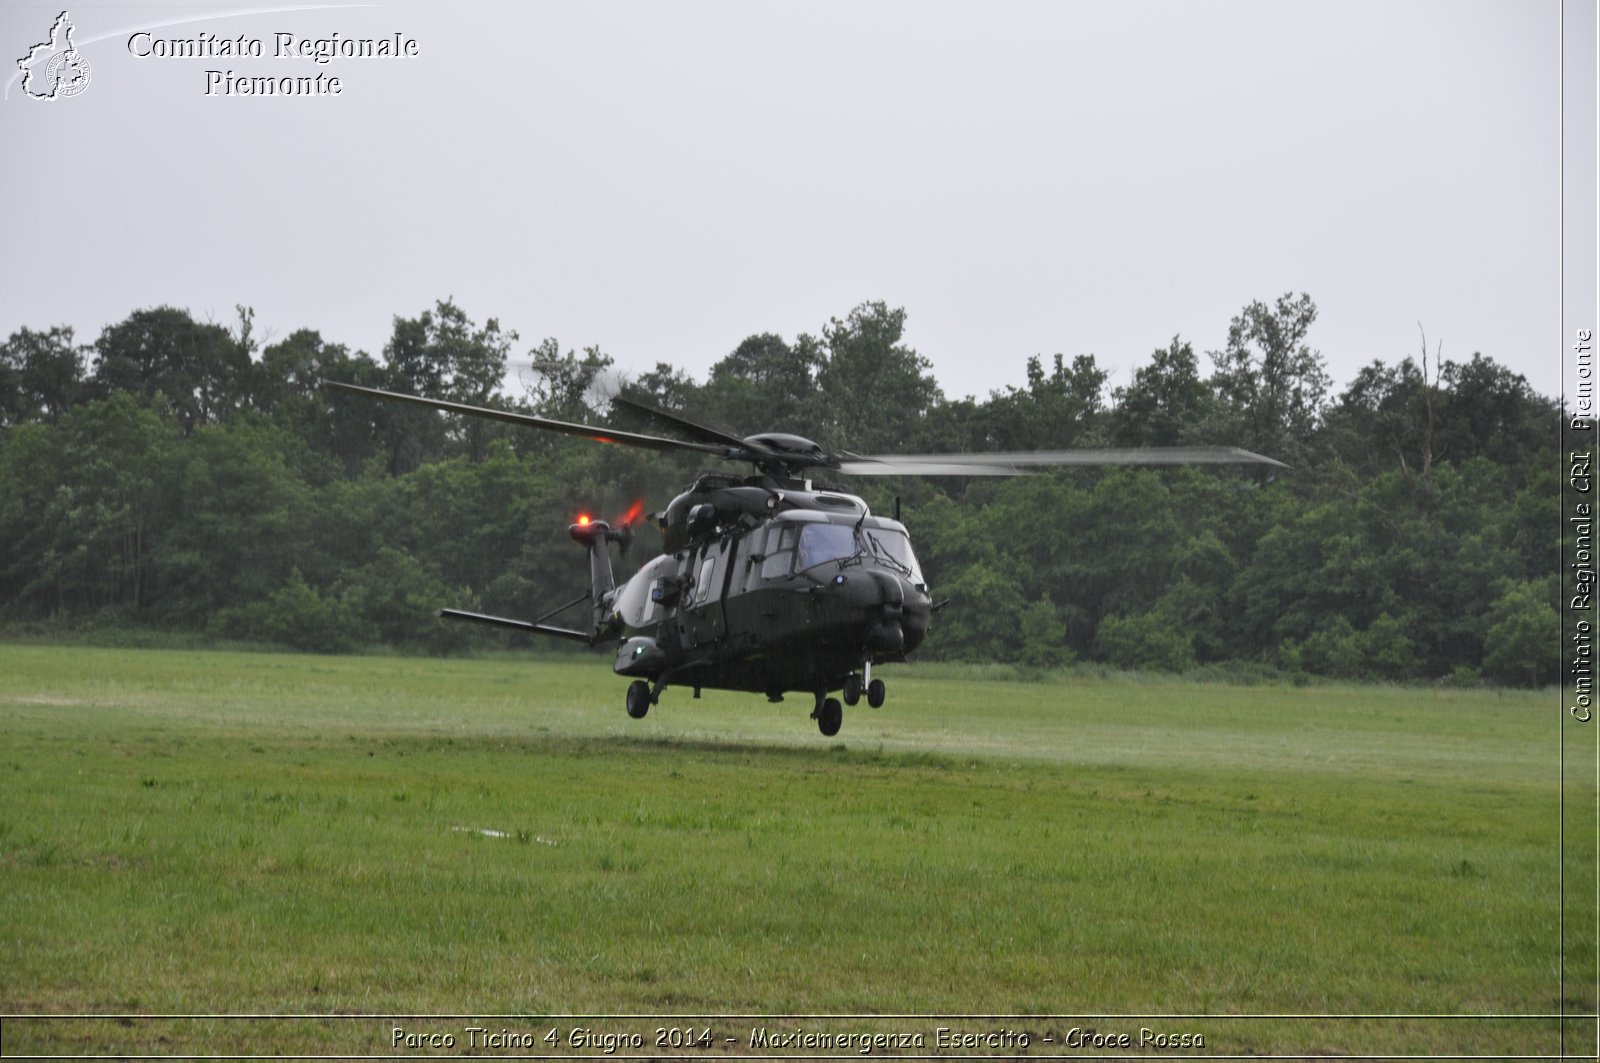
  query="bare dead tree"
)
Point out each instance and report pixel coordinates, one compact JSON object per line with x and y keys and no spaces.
{"x":1429,"y":389}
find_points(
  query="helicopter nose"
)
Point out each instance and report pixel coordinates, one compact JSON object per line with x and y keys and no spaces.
{"x":904,"y":613}
{"x":896,"y":626}
{"x":886,"y":635}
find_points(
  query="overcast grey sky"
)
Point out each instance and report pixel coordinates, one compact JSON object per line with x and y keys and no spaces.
{"x":663,"y":179}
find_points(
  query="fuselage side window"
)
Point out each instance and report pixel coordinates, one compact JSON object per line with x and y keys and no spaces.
{"x":744,"y":574}
{"x":702,"y":587}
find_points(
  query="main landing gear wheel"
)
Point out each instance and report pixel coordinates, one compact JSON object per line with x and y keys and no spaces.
{"x":638,"y":699}
{"x":852,"y":689}
{"x":829,"y":717}
{"x":875,"y":693}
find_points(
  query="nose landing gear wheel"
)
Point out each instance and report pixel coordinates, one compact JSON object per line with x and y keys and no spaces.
{"x":638,"y":699}
{"x":829,"y":717}
{"x":875,"y":693}
{"x":852,"y":689}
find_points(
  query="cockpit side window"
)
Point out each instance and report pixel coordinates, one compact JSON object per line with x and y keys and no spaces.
{"x":780,"y":551}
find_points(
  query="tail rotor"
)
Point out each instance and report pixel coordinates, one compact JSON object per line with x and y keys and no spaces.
{"x":589,"y":531}
{"x":622,"y":532}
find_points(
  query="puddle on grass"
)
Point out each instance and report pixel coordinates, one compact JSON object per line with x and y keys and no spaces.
{"x":487,"y":832}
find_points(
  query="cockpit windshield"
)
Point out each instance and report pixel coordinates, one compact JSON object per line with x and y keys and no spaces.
{"x":821,"y":543}
{"x":893,"y":549}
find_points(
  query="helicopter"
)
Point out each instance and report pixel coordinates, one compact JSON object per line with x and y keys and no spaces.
{"x":769,"y":583}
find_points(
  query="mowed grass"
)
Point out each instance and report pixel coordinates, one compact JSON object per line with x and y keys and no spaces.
{"x":226,"y":833}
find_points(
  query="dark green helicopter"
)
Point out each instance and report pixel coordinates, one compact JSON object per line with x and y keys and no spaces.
{"x":769,"y":583}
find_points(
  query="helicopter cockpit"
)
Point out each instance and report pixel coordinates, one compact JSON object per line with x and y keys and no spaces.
{"x":887,"y":546}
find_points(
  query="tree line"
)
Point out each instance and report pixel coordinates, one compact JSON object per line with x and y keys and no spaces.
{"x":184,"y":475}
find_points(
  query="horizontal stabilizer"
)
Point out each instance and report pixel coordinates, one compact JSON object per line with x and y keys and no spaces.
{"x":516,"y":625}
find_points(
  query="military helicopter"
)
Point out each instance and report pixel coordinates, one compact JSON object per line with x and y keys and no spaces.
{"x":768,"y":583}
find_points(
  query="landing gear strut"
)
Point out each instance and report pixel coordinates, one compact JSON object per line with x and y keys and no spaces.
{"x":874,"y":687}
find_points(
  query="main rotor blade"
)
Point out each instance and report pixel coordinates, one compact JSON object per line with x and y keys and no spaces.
{"x":702,"y":432}
{"x":1020,"y":463}
{"x":586,"y":431}
{"x":888,"y":466}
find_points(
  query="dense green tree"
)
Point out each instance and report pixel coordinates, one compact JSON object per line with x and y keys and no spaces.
{"x":766,"y":384}
{"x":295,"y":615}
{"x":41,"y":375}
{"x":1168,"y":404}
{"x":1386,"y":650}
{"x":986,"y":612}
{"x":1271,"y":383}
{"x":472,"y":519}
{"x":1491,"y":412}
{"x":1524,"y":639}
{"x":875,"y":391}
{"x":236,"y":521}
{"x":83,"y":504}
{"x":959,"y":426}
{"x":1388,"y":418}
{"x":1044,"y":635}
{"x":1198,"y":607}
{"x":1333,"y":649}
{"x":1057,"y":410}
{"x":395,"y":595}
{"x":566,"y":387}
{"x":442,"y":354}
{"x":286,"y":385}
{"x":1411,"y":418}
{"x":1147,"y":640}
{"x":666,"y":387}
{"x":201,"y":369}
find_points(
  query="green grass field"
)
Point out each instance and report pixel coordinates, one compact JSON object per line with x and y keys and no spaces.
{"x":207,"y":832}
